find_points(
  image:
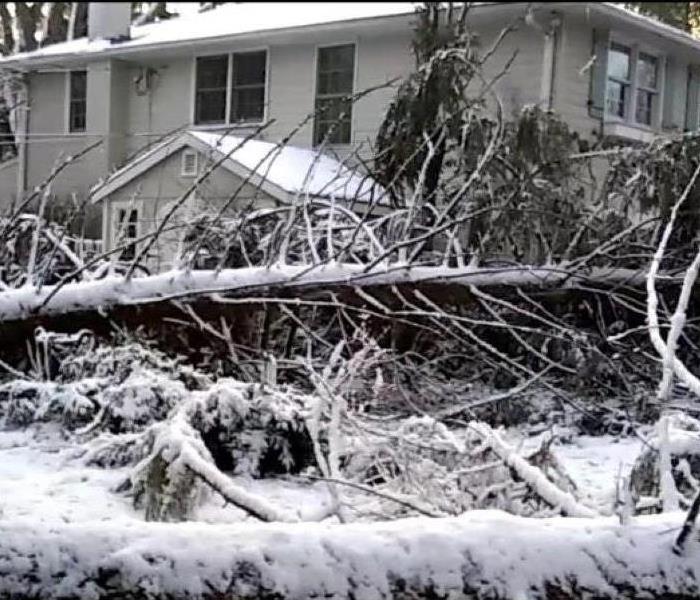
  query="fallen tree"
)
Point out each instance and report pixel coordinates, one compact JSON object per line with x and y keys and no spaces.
{"x":108,"y":293}
{"x":485,"y":554}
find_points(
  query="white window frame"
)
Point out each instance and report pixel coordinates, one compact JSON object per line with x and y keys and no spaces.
{"x":630,"y":118}
{"x":229,"y":90}
{"x":353,"y":116}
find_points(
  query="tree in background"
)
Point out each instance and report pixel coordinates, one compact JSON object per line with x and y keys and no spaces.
{"x":684,"y":15}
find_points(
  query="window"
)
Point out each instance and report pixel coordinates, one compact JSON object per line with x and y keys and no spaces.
{"x":632,"y":92}
{"x":211,"y":87}
{"x":77,"y":107}
{"x":248,"y":90}
{"x":189,"y":164}
{"x":240,"y":98}
{"x":335,"y":72}
{"x":127,"y":232}
{"x":646,"y":88}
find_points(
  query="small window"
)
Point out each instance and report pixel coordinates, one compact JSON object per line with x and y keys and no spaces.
{"x":77,"y":110}
{"x":248,"y":89}
{"x":210,"y":89}
{"x":127,"y":232}
{"x":335,"y":72}
{"x":189,"y":164}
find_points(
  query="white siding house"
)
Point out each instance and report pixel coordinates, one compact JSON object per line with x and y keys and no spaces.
{"x":606,"y":71}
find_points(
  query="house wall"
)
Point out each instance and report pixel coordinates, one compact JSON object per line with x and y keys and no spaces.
{"x":154,"y":192}
{"x":126,"y":121}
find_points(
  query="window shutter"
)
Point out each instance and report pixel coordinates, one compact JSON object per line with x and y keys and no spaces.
{"x":599,"y":73}
{"x":673,"y":103}
{"x":693,"y":102}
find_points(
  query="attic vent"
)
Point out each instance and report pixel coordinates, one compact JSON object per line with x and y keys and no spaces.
{"x":189,"y":164}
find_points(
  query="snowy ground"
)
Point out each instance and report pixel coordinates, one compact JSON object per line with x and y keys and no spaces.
{"x":64,"y":532}
{"x":40,"y":479}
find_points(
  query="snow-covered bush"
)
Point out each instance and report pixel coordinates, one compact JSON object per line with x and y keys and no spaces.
{"x":253,"y":429}
{"x":116,"y":362}
{"x":25,"y":402}
{"x":144,"y":397}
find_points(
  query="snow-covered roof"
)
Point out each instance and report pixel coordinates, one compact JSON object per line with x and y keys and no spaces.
{"x":280,"y":171}
{"x":250,"y":19}
{"x":229,"y":20}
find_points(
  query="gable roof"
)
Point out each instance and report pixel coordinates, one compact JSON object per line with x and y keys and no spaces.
{"x":281,"y":172}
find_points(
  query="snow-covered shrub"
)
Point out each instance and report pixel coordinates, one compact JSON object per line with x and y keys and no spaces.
{"x":117,"y":362}
{"x":253,"y":429}
{"x":450,"y":470}
{"x":144,"y":397}
{"x":26,"y":402}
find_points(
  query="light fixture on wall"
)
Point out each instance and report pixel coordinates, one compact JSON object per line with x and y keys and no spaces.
{"x":145,"y":80}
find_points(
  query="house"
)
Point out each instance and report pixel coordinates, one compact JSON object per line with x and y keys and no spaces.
{"x":231,"y":173}
{"x":607,"y":71}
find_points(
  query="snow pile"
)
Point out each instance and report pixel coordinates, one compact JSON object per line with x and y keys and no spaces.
{"x":486,"y":554}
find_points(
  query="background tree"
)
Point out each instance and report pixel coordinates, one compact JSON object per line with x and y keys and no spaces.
{"x":684,"y":15}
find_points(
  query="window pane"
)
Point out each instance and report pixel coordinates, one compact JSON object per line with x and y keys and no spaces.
{"x":77,"y":116}
{"x":78,"y":84}
{"x":127,"y":231}
{"x":212,"y":72}
{"x":249,"y":68}
{"x":337,"y":58}
{"x":328,"y":120}
{"x":210,"y":94}
{"x":616,"y":96}
{"x":210,"y":107}
{"x":619,"y":61}
{"x":646,"y":68}
{"x":336,"y":69}
{"x":334,"y":79}
{"x":645,"y":106}
{"x":248,"y":104}
{"x":78,"y":102}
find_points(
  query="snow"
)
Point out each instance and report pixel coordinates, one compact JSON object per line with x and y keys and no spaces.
{"x":39,"y":481}
{"x":115,"y":291}
{"x":594,"y":463}
{"x":62,"y":528}
{"x":230,"y":19}
{"x":515,"y":555}
{"x":294,"y":169}
{"x":243,"y":19}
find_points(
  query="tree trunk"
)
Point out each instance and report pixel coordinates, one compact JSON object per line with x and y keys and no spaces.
{"x":28,"y":19}
{"x":480,"y":555}
{"x":55,"y":24}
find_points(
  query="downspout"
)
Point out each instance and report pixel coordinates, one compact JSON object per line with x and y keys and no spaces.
{"x":549,"y":56}
{"x":21,"y":136}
